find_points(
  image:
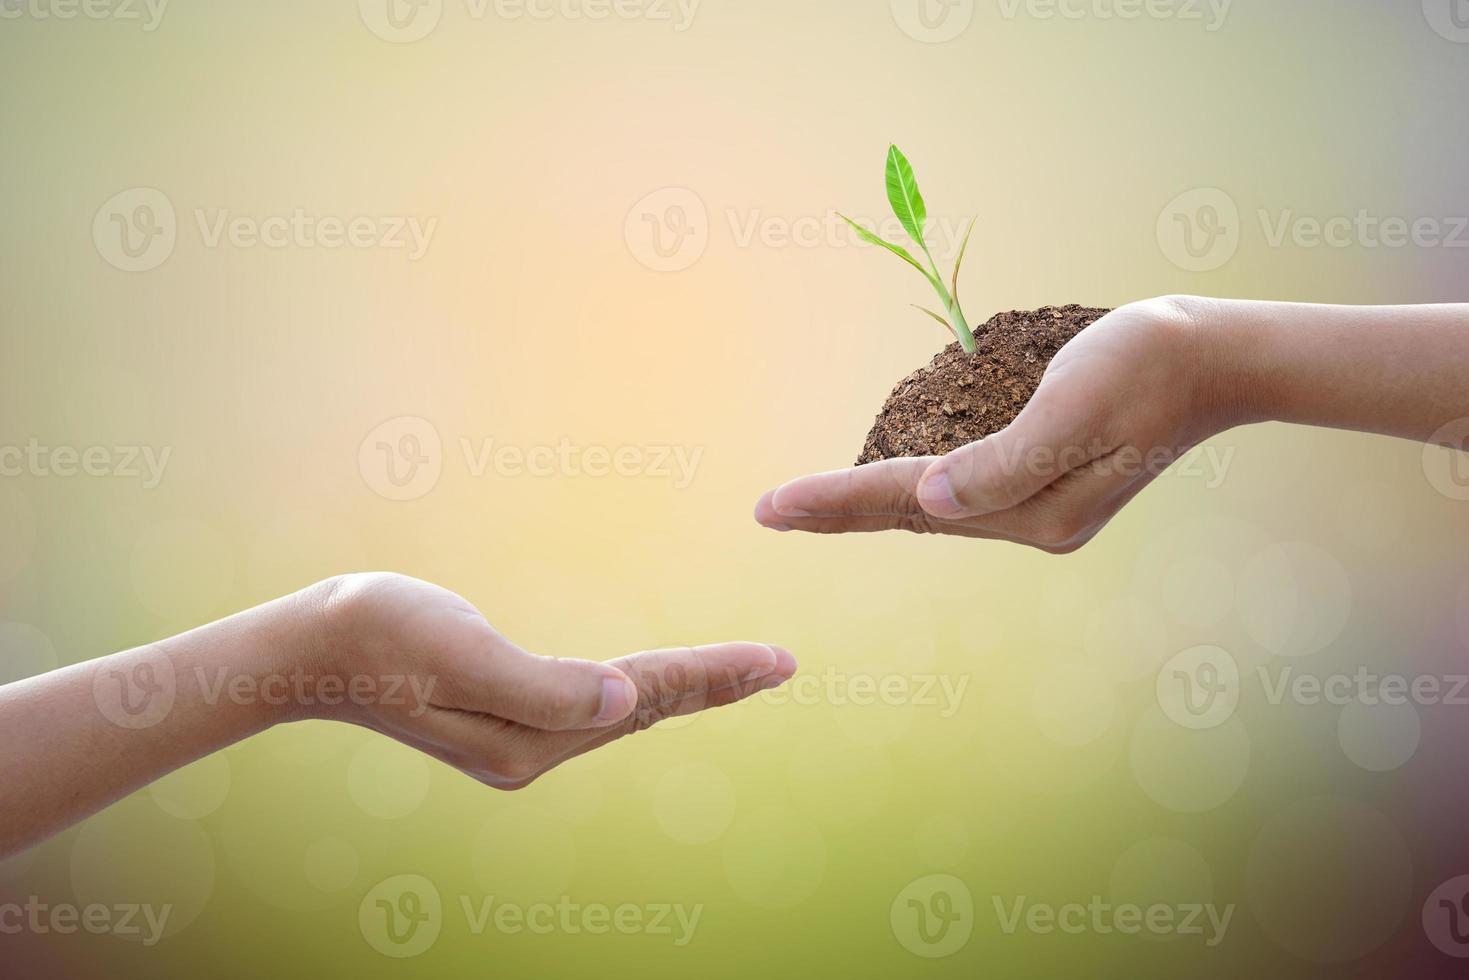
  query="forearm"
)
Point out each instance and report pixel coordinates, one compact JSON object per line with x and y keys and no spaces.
{"x":77,"y":739}
{"x":1395,"y":370}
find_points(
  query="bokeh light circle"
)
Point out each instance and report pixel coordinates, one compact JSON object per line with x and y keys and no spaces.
{"x":942,"y":840}
{"x":182,"y":570}
{"x":131,"y":856}
{"x":195,"y":791}
{"x":1127,"y":638}
{"x":1188,"y":771}
{"x":331,"y":864}
{"x":1329,"y":879}
{"x":1075,"y":704}
{"x":524,"y":853}
{"x":17,"y":530}
{"x":694,"y":803}
{"x":25,"y":651}
{"x":1161,"y":871}
{"x":1379,"y":737}
{"x":387,"y":779}
{"x":1294,"y":599}
{"x":774,"y":858}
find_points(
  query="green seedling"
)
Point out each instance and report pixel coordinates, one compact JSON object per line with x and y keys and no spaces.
{"x":912,"y":213}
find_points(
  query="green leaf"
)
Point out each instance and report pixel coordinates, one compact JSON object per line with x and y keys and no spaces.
{"x":947,"y":325}
{"x":897,"y":250}
{"x":960,"y":260}
{"x":903,"y":195}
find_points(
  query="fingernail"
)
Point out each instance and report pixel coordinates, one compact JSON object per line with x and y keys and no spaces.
{"x":785,"y":662}
{"x":786,"y":511}
{"x":758,"y":673}
{"x":936,"y":494}
{"x":618,"y":698}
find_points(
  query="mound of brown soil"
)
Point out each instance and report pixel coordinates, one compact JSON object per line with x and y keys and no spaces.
{"x":961,"y":398}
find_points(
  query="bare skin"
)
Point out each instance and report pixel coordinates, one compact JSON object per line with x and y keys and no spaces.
{"x":1137,"y":390}
{"x":386,"y":652}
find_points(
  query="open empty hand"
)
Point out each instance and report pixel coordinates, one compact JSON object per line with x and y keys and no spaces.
{"x":387,"y":652}
{"x":494,"y":711}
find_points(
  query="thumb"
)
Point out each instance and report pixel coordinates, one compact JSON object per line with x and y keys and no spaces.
{"x":1047,"y":440}
{"x":563,"y":695}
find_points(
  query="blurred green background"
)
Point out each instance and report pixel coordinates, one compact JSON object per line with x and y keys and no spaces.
{"x":625,"y":241}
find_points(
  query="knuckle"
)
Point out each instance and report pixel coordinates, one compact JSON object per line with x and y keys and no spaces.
{"x":647,"y":714}
{"x":516,"y":769}
{"x":1053,"y":530}
{"x":920,"y":524}
{"x":551,"y":706}
{"x":516,"y":786}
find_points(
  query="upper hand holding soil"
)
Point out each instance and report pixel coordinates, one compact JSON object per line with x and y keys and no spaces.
{"x":1116,"y":407}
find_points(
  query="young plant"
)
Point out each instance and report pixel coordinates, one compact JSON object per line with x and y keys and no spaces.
{"x":912,"y":213}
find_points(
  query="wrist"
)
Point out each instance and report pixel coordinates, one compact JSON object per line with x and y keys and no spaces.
{"x":1232,"y":344}
{"x":316,"y":656}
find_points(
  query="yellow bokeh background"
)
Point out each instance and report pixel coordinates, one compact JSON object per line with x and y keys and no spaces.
{"x":529,"y":146}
